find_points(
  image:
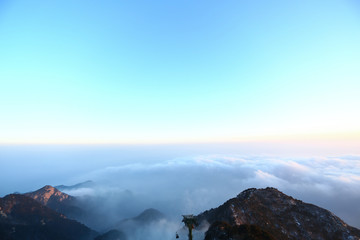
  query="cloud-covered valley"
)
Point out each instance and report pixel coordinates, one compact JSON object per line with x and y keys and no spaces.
{"x":194,"y":184}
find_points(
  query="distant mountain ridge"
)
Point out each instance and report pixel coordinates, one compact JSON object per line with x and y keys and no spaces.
{"x":280,"y":215}
{"x":128,"y":227}
{"x":149,"y":215}
{"x":146,"y":217}
{"x":86,"y":184}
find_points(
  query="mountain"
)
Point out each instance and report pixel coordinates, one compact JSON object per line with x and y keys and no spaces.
{"x":224,"y":231}
{"x":143,"y":224}
{"x":279,"y":215}
{"x":147,"y":217}
{"x":58,"y":201}
{"x":23,"y":218}
{"x":49,"y":195}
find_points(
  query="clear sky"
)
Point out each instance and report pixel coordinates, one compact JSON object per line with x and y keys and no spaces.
{"x":178,"y":71}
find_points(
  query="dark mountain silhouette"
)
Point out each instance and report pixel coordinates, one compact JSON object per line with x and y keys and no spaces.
{"x":23,"y":218}
{"x":279,"y":215}
{"x":58,"y":201}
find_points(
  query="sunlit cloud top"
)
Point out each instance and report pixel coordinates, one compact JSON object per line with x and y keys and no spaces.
{"x":179,"y":71}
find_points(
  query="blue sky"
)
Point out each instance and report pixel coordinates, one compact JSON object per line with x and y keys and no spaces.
{"x":178,"y":71}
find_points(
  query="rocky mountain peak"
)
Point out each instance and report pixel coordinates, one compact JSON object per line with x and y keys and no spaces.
{"x":282,"y":216}
{"x":247,"y":193}
{"x":268,"y":197}
{"x":48,"y":193}
{"x":58,"y":201}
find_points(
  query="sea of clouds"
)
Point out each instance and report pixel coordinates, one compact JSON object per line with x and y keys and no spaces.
{"x":178,"y":180}
{"x":190,"y":185}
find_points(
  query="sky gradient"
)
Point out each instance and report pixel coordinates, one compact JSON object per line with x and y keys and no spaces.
{"x":178,"y":71}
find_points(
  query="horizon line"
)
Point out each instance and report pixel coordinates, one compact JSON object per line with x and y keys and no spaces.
{"x":335,"y":136}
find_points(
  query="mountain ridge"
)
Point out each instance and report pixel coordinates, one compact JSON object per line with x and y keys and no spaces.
{"x":22,"y":217}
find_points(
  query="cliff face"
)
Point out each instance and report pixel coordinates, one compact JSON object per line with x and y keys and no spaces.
{"x":281,"y":216}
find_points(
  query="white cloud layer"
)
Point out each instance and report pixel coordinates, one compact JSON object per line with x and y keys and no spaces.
{"x":194,"y":184}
